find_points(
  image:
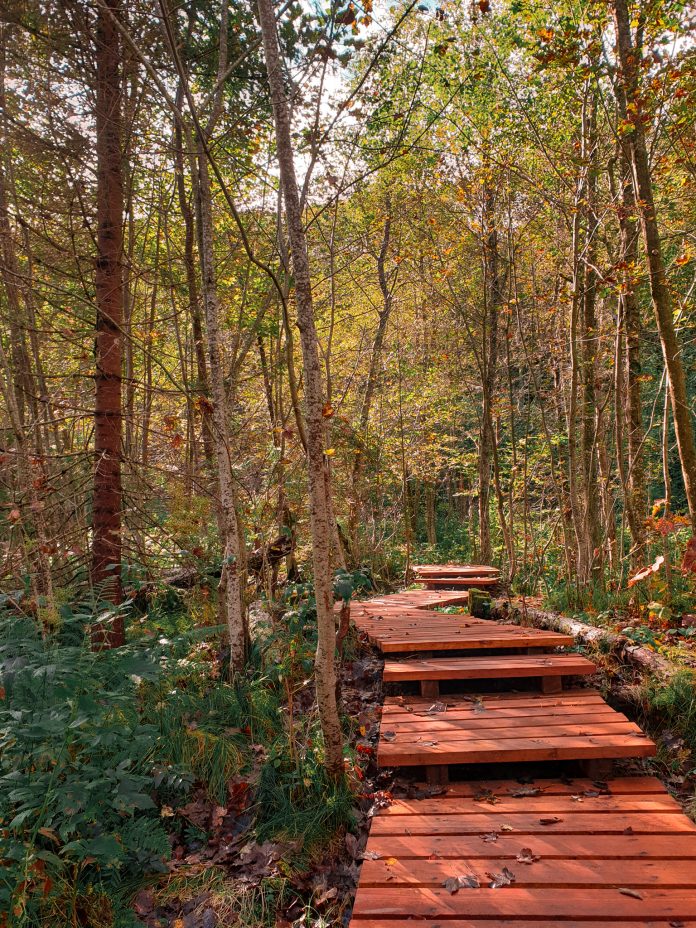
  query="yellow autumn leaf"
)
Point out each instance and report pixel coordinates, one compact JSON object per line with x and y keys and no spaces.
{"x":329,"y":452}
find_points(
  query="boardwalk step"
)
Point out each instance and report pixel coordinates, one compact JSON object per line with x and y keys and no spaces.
{"x":466,"y":583}
{"x":506,"y":666}
{"x":400,"y":628}
{"x":408,"y":736}
{"x":455,"y":570}
{"x":624,"y":856}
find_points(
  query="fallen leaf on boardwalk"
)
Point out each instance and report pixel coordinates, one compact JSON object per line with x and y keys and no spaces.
{"x":525,"y":791}
{"x":506,"y":828}
{"x":388,"y":736}
{"x":676,"y":925}
{"x":454,"y":883}
{"x":551,"y":820}
{"x":504,"y":878}
{"x":490,"y":838}
{"x":370,"y":855}
{"x":628,"y":830}
{"x":437,"y":707}
{"x":486,"y":795}
{"x":526,"y":856}
{"x":390,"y":861}
{"x":630,"y":892}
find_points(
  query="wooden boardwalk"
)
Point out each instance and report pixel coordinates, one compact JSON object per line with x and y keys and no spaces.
{"x":561,"y":854}
{"x":568,"y":853}
{"x":407,"y":622}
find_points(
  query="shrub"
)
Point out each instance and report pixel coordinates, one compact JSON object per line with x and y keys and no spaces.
{"x":77,"y":774}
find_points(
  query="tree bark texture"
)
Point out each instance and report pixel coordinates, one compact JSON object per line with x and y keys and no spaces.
{"x":107,"y":498}
{"x":628,"y":91}
{"x":319,"y":507}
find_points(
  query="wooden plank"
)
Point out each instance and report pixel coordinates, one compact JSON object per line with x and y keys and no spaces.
{"x":453,"y":642}
{"x":523,"y":823}
{"x":544,"y":902}
{"x":512,"y":700}
{"x":591,"y":873}
{"x":616,"y":787}
{"x":548,"y":845}
{"x":369,"y":922}
{"x":468,"y":582}
{"x":501,"y":719}
{"x":443,"y":569}
{"x":485,"y":668}
{"x":406,"y":739}
{"x":567,"y":747}
{"x":543,"y":805}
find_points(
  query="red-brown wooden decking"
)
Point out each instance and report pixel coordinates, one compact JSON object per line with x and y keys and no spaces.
{"x":577,"y":855}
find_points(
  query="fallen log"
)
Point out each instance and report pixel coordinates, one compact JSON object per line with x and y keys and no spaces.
{"x":618,"y":645}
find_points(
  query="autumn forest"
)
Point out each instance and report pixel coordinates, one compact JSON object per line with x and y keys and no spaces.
{"x":294,"y":297}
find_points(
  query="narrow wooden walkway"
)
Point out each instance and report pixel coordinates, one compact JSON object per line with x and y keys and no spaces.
{"x":407,"y":622}
{"x":484,"y":855}
{"x":572,"y":853}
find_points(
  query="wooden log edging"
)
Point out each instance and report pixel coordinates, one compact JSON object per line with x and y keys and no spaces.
{"x":619,"y":646}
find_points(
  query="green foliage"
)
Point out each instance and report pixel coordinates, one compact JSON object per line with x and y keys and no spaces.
{"x":207,"y":729}
{"x":78,"y":773}
{"x":672,"y":707}
{"x":296,"y":800}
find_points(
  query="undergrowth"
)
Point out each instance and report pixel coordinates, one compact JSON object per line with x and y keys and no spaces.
{"x":99,"y":749}
{"x":671,"y":712}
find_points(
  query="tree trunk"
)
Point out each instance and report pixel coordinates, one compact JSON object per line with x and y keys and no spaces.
{"x":492,"y":302}
{"x":319,"y":508}
{"x":202,"y":385}
{"x":590,"y":341}
{"x":628,"y":93}
{"x":355,"y":510}
{"x":107,"y":500}
{"x":628,"y":367}
{"x":231,"y":592}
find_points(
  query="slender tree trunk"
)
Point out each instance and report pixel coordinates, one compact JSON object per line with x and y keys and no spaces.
{"x":231,"y":591}
{"x":431,"y":513}
{"x":107,"y":500}
{"x":628,"y":93}
{"x":203,"y":384}
{"x":590,"y":341}
{"x":372,"y":375}
{"x":319,"y":507}
{"x":492,"y":301}
{"x":629,"y":364}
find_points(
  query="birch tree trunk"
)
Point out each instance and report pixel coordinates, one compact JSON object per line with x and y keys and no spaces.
{"x":319,"y":508}
{"x":107,"y":498}
{"x":628,"y":93}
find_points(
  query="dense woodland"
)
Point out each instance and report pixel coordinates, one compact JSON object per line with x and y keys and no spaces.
{"x":293,"y":296}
